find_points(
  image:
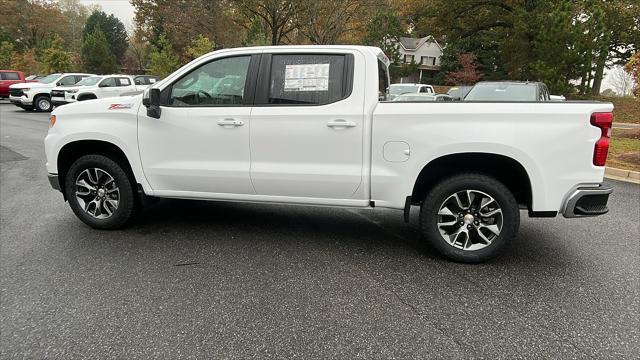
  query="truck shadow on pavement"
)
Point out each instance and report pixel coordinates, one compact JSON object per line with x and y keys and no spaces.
{"x":207,"y":222}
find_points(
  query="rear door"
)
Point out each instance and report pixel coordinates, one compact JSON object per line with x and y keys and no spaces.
{"x":307,"y":126}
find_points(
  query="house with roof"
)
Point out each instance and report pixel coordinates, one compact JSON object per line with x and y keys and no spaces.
{"x":426,"y":52}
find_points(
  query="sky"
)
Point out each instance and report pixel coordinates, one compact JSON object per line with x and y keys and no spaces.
{"x":123,"y":10}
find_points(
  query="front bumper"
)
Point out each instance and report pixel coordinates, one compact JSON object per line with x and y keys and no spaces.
{"x":588,"y":201}
{"x":53,"y":180}
{"x":20,"y":100}
{"x":58,"y":101}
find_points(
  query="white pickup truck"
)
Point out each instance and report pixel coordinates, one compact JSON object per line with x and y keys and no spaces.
{"x":310,"y":125}
{"x":95,"y":87}
{"x":37,"y":95}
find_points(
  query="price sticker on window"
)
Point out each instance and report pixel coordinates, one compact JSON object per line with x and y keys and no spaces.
{"x":306,"y":77}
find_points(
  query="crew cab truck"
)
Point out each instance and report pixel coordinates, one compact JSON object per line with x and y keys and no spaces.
{"x":310,"y":125}
{"x":37,"y":95}
{"x":93,"y":87}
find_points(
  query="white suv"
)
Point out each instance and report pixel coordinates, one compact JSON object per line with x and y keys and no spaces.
{"x":37,"y":95}
{"x":94,"y":87}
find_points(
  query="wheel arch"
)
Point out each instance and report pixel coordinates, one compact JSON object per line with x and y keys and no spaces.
{"x":503,"y":168}
{"x":72,"y":151}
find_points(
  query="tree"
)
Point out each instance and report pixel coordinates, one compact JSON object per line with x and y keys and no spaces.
{"x":199,"y":46}
{"x":468,"y":74}
{"x":326,"y":21}
{"x":621,"y":81}
{"x":384,"y":31}
{"x":96,"y":53}
{"x":26,"y":62}
{"x":31,"y":23}
{"x":113,"y":30}
{"x":181,"y":21}
{"x":163,"y":60}
{"x":6,"y":50}
{"x":633,"y":68}
{"x":275,"y":17}
{"x":55,"y":58}
{"x":137,"y":55}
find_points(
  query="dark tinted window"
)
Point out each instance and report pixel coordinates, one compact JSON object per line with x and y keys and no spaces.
{"x":9,"y":76}
{"x":80,"y":77}
{"x":307,"y":79}
{"x":383,"y":81}
{"x":220,"y":82}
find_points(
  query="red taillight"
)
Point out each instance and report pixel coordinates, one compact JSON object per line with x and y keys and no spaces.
{"x":604,"y":121}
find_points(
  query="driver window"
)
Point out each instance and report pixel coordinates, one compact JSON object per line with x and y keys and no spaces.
{"x":220,"y":82}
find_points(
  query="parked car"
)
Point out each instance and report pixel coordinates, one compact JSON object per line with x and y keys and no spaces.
{"x":304,"y":125}
{"x":8,"y":78}
{"x":508,"y":91}
{"x":458,"y":93}
{"x":399,"y":89}
{"x":93,"y":87}
{"x":37,"y":95}
{"x":557,"y":98}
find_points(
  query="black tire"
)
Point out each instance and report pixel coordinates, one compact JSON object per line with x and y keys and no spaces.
{"x":441,"y":192}
{"x":42,"y":103}
{"x":127,"y":202}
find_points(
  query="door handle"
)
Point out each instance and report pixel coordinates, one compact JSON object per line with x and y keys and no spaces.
{"x":230,"y":123}
{"x":340,"y":123}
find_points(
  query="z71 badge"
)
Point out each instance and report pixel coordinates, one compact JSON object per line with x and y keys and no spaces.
{"x":120,"y":106}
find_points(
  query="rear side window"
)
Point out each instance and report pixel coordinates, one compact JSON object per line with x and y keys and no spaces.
{"x":124,"y":82}
{"x":383,"y":81}
{"x":9,"y":76}
{"x":308,"y":79}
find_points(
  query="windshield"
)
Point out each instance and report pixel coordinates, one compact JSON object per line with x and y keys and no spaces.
{"x":91,"y":80}
{"x":502,"y":92}
{"x":49,"y":78}
{"x":402,"y":89}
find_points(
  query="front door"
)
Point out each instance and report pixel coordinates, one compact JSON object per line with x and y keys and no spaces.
{"x":307,"y":127}
{"x":200,"y":143}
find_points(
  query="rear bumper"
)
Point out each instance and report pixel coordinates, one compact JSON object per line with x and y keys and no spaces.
{"x":588,"y":201}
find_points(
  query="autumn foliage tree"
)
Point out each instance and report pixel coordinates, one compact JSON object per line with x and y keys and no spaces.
{"x":633,"y":68}
{"x":468,"y":73}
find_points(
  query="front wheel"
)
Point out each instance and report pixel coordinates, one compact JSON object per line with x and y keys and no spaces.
{"x":470,"y":217}
{"x":43,"y":103}
{"x":100,"y":192}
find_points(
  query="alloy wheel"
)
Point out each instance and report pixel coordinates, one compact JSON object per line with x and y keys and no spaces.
{"x":97,"y":193}
{"x":470,"y":220}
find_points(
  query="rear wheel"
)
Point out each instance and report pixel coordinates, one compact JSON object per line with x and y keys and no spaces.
{"x":100,"y":192}
{"x":470,"y":217}
{"x":43,"y":103}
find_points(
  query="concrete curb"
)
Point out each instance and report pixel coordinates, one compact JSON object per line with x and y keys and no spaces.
{"x":622,"y":175}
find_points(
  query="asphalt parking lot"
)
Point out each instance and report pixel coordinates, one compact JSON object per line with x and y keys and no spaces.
{"x":222,"y":280}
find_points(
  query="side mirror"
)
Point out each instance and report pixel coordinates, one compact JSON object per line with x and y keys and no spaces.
{"x":152,"y":102}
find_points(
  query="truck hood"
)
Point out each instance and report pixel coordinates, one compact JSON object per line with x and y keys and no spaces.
{"x":68,"y":87}
{"x":30,"y":85}
{"x":105,"y":107}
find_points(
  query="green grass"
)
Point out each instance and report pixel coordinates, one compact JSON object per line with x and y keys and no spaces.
{"x":624,"y":150}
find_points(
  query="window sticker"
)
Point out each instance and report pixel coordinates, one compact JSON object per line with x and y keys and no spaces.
{"x":307,"y":77}
{"x":124,"y":82}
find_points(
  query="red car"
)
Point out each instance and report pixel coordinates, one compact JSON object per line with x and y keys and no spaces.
{"x":8,"y":78}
